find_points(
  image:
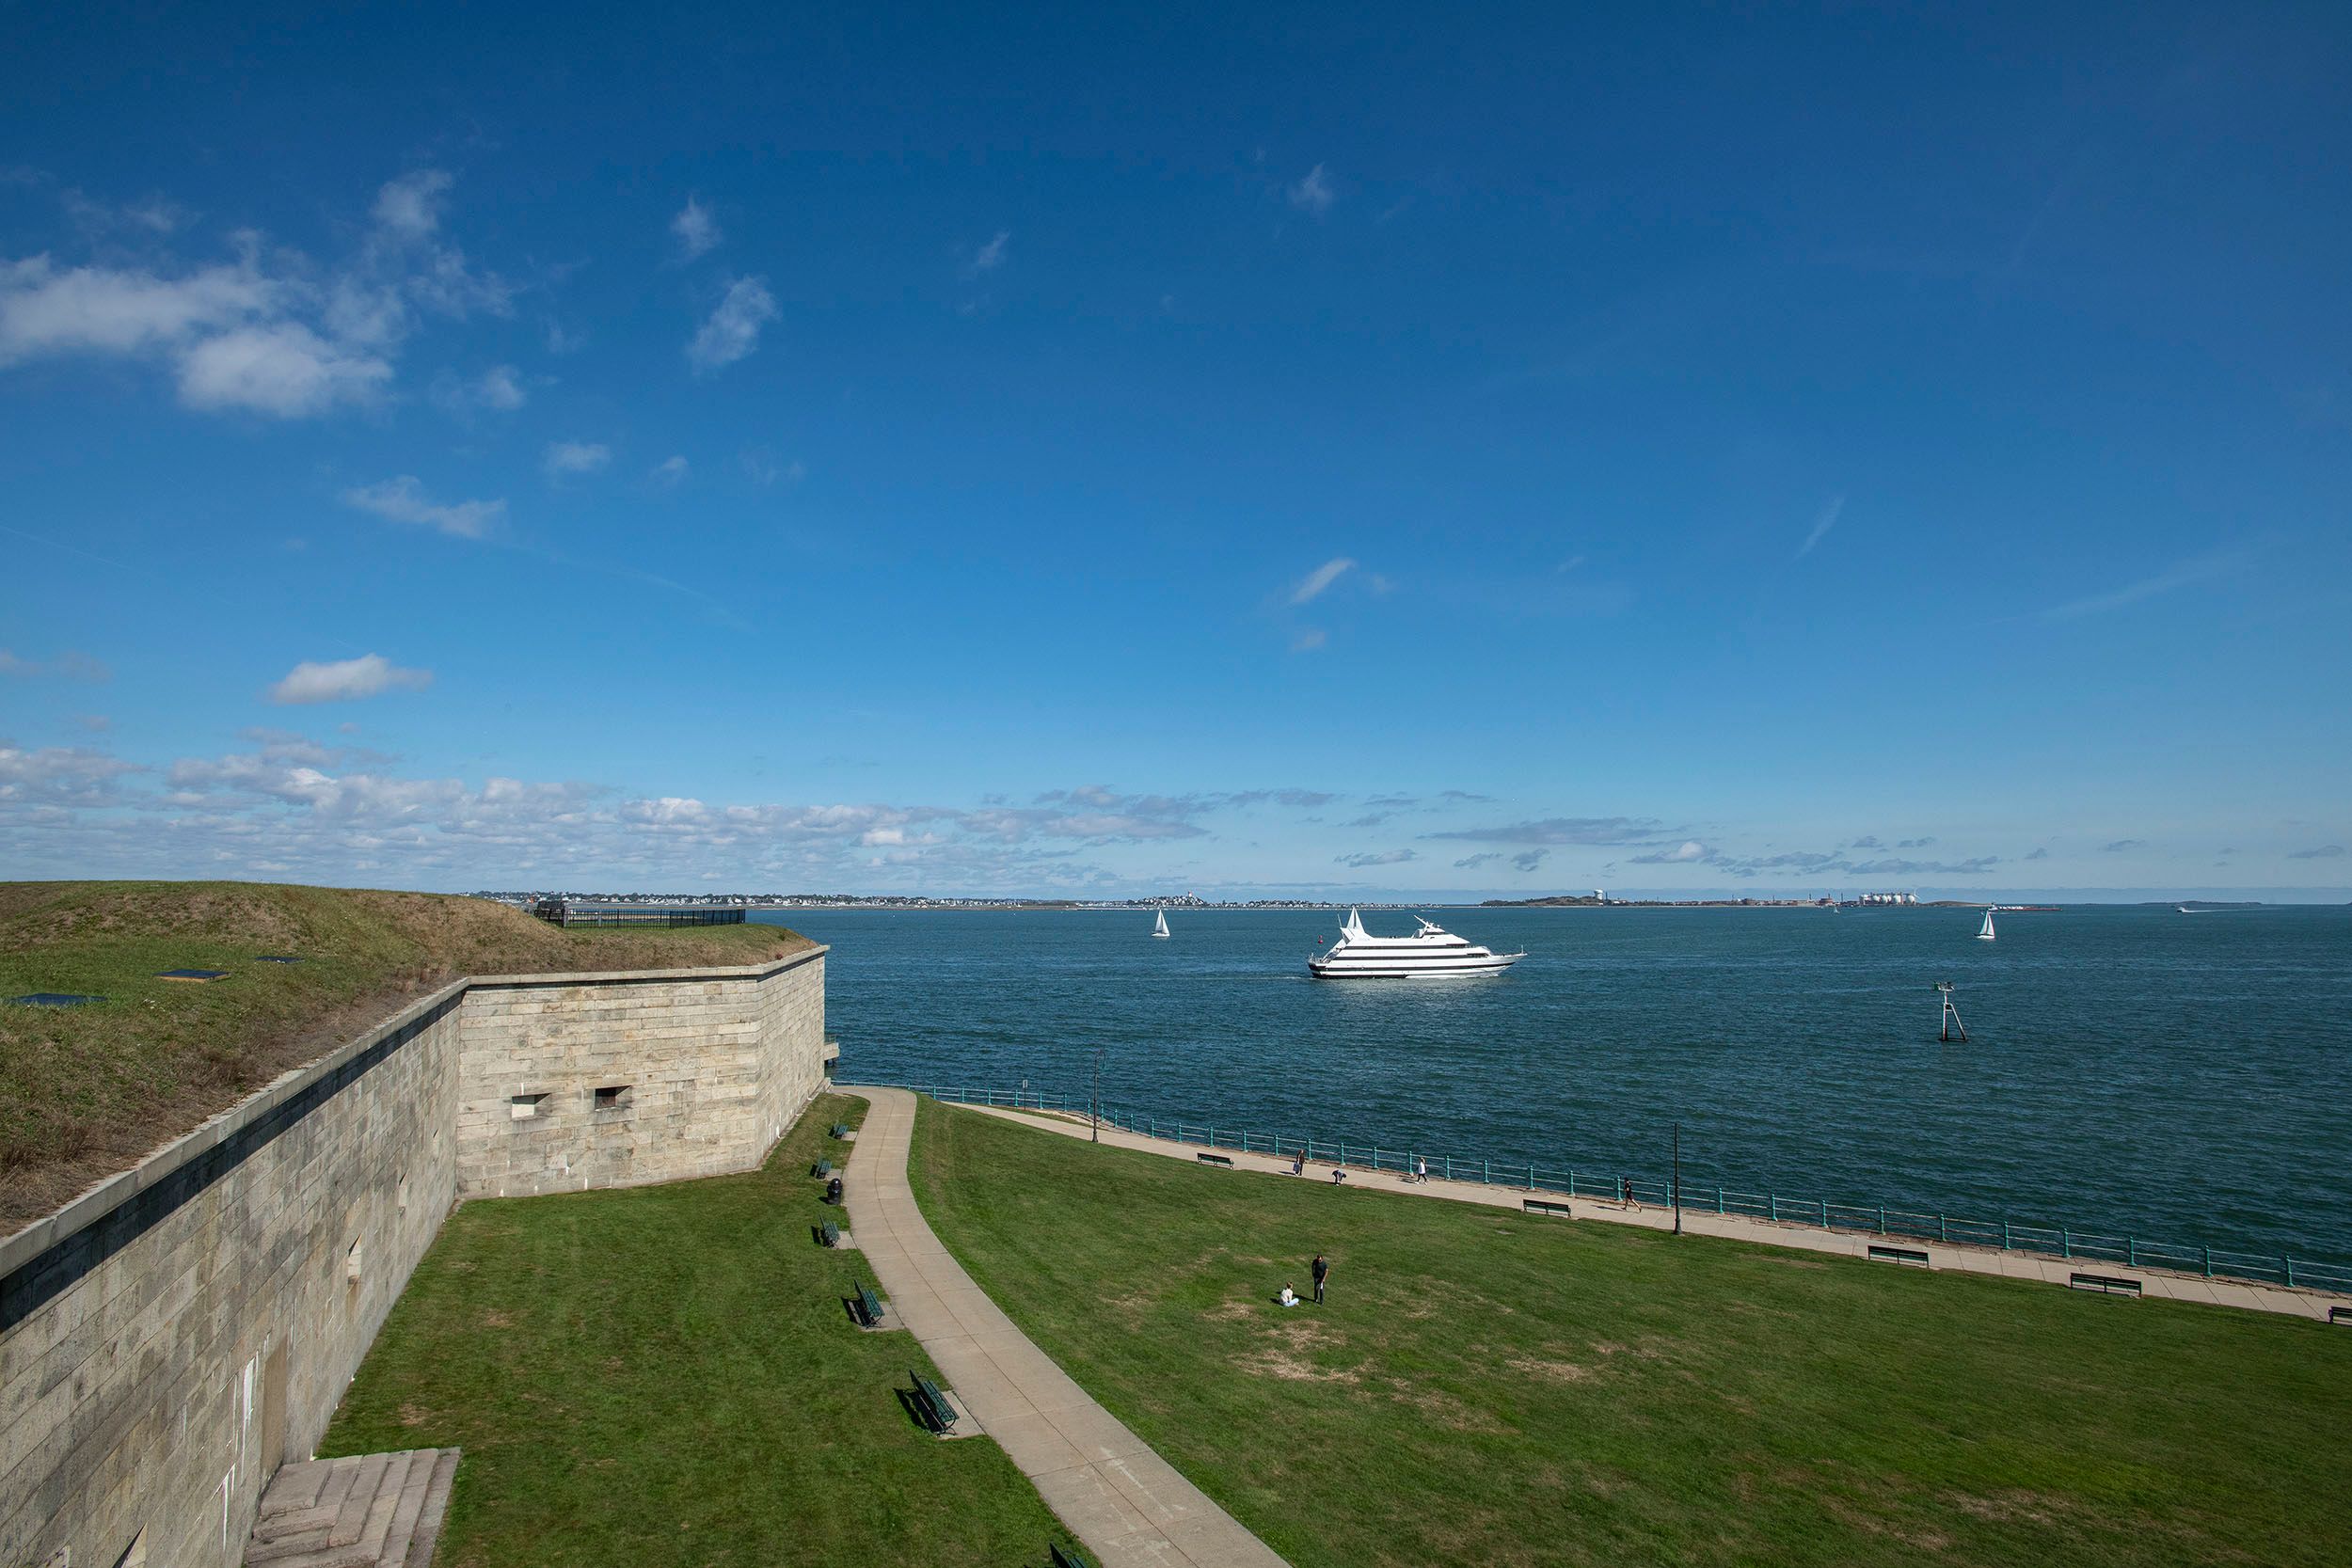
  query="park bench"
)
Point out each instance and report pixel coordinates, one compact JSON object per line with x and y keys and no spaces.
{"x":2340,"y":1314}
{"x":2107,"y":1283}
{"x":1545,"y":1206}
{"x":1915,"y":1257}
{"x":1070,"y":1557}
{"x":932,"y":1406}
{"x":1216,"y":1159}
{"x":867,"y":1307}
{"x":822,"y":1168}
{"x":832,"y":1234}
{"x":838,"y":1130}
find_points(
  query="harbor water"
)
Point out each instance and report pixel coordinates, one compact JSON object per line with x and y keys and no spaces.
{"x":2184,"y":1078}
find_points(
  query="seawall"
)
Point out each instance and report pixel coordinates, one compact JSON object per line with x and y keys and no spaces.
{"x":174,"y":1334}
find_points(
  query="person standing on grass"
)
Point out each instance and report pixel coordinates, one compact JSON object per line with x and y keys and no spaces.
{"x":1322,"y":1272}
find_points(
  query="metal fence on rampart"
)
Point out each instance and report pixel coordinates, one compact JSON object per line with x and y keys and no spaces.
{"x":1612,"y":1185}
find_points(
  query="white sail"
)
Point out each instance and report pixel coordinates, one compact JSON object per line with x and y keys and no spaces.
{"x":1984,"y":933}
{"x":1159,"y":924}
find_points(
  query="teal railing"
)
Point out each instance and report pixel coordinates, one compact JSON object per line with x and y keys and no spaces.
{"x":1611,"y":1185}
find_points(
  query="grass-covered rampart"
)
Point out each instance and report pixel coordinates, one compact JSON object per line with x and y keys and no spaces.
{"x":88,"y":1091}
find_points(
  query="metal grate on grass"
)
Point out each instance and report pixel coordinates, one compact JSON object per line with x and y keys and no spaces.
{"x":54,"y":999}
{"x":194,"y":977}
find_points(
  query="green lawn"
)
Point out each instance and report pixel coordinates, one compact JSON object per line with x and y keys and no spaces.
{"x":1485,"y":1388}
{"x":666,"y":1375}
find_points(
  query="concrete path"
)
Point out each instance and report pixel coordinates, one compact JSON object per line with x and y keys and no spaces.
{"x":2154,"y":1283}
{"x":1123,"y":1502}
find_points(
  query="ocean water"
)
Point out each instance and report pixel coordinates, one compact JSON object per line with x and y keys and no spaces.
{"x":2181,"y":1078}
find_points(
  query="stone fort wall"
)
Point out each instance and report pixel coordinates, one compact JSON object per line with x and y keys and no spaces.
{"x":172,"y":1335}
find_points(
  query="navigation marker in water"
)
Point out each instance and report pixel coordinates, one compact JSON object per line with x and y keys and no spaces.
{"x":1952,"y":1015}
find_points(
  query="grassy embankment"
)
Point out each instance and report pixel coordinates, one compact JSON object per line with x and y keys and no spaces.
{"x":666,"y":1375}
{"x":1492,"y":1389}
{"x":86,"y":1091}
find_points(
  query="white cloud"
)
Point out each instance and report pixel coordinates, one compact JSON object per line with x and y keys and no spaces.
{"x":339,"y":814}
{"x":671,"y":471}
{"x":733,"y":330}
{"x":96,"y":309}
{"x":697,"y":230}
{"x":347,"y":679}
{"x":1822,"y":522}
{"x":1553,"y":831}
{"x":404,"y":500}
{"x":1690,"y":850}
{"x":1313,"y":193}
{"x":57,"y":775}
{"x":992,"y":255}
{"x":154,"y":216}
{"x":1385,"y":857}
{"x":70,"y":665}
{"x":2180,"y":575}
{"x":500,"y":387}
{"x":1308,"y":638}
{"x":286,"y":369}
{"x":1311,"y":586}
{"x":566,"y":458}
{"x":272,"y":332}
{"x":762,"y":466}
{"x":410,"y":206}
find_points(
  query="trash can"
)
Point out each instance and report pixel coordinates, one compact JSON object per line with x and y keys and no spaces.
{"x":832,"y":1191}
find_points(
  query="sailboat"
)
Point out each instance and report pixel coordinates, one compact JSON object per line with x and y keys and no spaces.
{"x":1984,"y":932}
{"x":1159,"y":923}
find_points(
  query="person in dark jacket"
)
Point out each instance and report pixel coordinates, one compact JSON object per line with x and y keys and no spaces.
{"x":1322,"y":1273}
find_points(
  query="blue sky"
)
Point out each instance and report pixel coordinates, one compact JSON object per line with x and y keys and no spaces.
{"x":1363,"y":450}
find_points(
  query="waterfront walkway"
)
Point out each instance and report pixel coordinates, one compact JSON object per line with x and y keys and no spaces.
{"x":1123,"y":1502}
{"x":1940,"y":1254}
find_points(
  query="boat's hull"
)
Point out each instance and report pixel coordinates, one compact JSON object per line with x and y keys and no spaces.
{"x":1376,"y":969}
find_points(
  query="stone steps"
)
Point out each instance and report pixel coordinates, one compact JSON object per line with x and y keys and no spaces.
{"x":368,"y":1510}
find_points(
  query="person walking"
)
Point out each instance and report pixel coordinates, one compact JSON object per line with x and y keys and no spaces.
{"x":1420,"y":1170}
{"x":1322,"y":1273}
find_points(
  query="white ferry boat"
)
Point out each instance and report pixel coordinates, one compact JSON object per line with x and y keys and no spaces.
{"x":1358,"y":954}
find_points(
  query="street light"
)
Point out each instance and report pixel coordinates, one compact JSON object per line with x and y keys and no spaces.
{"x":1097,"y":1136}
{"x":1678,"y":1188}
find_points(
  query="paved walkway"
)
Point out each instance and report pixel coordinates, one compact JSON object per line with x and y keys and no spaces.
{"x":1123,"y":1502}
{"x":1941,"y":1255}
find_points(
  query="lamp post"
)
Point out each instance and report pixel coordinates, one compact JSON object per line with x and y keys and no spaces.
{"x":1097,"y":1118}
{"x":1678,"y":1190}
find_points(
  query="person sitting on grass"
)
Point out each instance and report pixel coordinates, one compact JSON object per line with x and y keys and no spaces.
{"x":1288,"y":1297}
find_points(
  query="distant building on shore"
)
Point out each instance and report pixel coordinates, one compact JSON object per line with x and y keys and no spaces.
{"x":1887,"y":900}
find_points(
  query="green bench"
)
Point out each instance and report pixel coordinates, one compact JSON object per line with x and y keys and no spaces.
{"x":838,"y":1130}
{"x":832,"y":1234}
{"x":2106,"y":1284}
{"x":868,"y":1307}
{"x":1545,"y":1206}
{"x":932,"y":1406}
{"x":1070,"y":1557}
{"x":822,"y":1168}
{"x":1913,"y":1257}
{"x":1216,"y":1159}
